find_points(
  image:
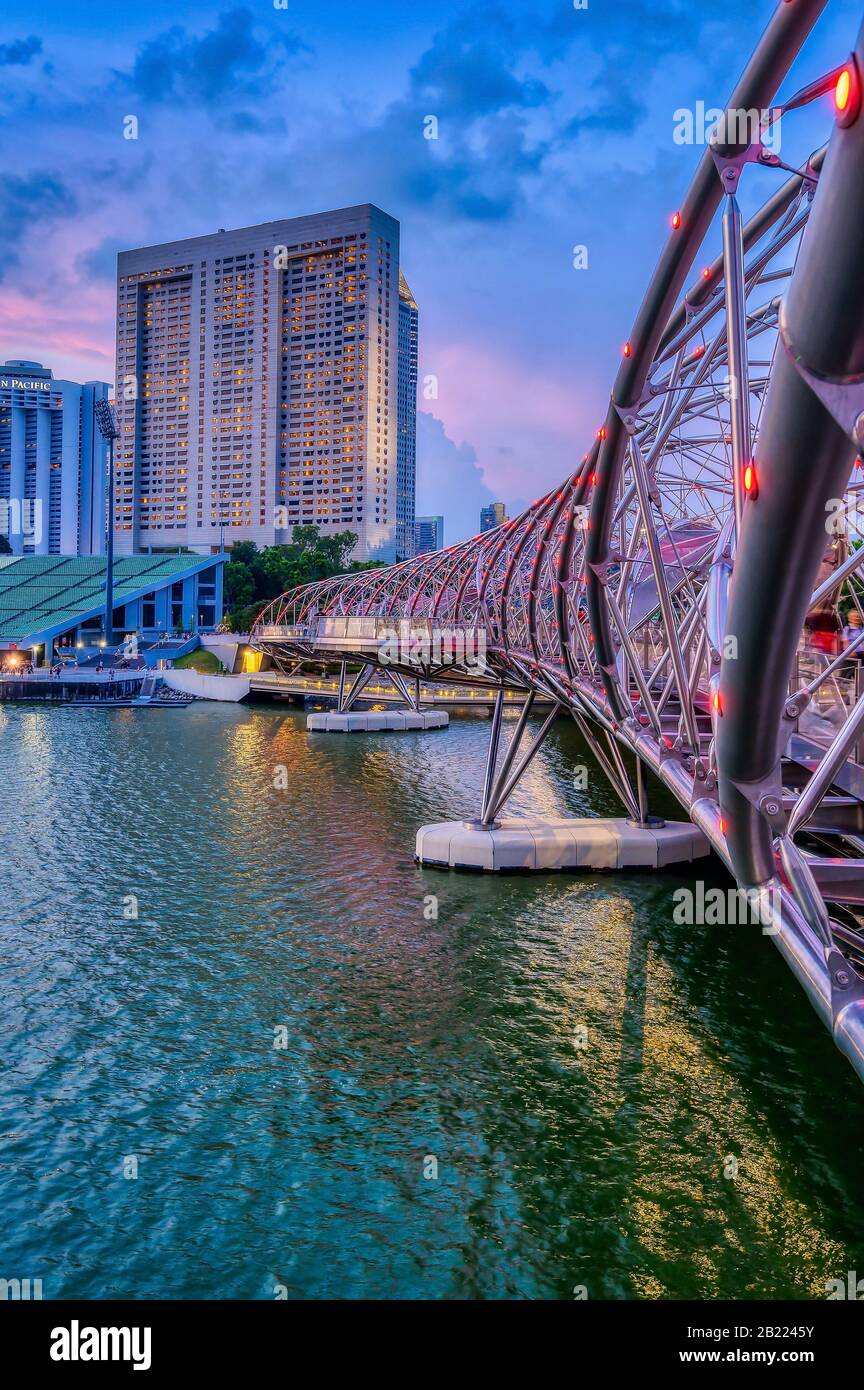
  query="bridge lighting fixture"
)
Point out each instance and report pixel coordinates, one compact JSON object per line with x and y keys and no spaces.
{"x":847,"y":94}
{"x":722,"y":826}
{"x":628,"y":351}
{"x":750,"y":481}
{"x":676,"y":221}
{"x":843,"y":90}
{"x":717,"y":702}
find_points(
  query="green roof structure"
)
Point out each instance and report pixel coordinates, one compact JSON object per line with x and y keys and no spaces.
{"x":42,"y":596}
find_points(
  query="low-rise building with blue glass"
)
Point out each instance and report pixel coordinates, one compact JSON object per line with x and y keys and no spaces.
{"x":51,"y":602}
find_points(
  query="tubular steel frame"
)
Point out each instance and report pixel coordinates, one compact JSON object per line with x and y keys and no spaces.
{"x":661,"y":592}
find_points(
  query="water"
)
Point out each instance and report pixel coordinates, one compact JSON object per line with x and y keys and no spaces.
{"x":149,"y":1040}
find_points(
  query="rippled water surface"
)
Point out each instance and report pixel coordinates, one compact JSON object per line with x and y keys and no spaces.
{"x":406,"y":1040}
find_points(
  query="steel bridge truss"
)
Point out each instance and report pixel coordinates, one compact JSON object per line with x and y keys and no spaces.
{"x":661,"y":593}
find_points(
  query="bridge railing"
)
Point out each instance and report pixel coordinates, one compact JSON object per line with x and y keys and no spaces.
{"x":283,"y":632}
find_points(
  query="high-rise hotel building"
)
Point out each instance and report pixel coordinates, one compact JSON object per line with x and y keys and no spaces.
{"x":259,"y":386}
{"x":406,"y":416}
{"x":53,"y":462}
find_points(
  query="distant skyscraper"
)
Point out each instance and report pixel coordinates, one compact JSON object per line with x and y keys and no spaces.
{"x":266,"y":366}
{"x":428,"y":534}
{"x":406,"y":435}
{"x":53,"y":463}
{"x":493,"y":515}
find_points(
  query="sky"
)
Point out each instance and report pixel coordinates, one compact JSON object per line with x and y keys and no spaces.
{"x":555,"y":129}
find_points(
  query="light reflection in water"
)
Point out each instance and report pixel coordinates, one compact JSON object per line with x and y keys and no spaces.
{"x":303,"y":909}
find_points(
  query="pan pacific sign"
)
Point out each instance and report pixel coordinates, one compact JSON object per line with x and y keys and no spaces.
{"x":20,"y":383}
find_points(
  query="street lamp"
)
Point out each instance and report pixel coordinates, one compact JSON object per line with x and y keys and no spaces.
{"x":108,"y":430}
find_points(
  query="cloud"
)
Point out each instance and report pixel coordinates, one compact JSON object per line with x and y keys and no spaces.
{"x":483,"y":185}
{"x":26,"y":202}
{"x":526,"y":421}
{"x":100,"y":262}
{"x":19,"y":52}
{"x":69,"y":338}
{"x":469,"y":77}
{"x":230,"y":60}
{"x":487,"y":142}
{"x":449,"y":480}
{"x":246,"y":123}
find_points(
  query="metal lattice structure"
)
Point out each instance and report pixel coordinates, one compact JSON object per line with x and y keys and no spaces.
{"x":665,"y":594}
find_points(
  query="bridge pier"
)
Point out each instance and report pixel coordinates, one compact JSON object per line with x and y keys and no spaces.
{"x":345,"y":719}
{"x":377,"y":721}
{"x":546,"y":844}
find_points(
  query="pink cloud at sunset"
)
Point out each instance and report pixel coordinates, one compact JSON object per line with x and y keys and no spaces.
{"x":521,"y":424}
{"x":72,"y":334}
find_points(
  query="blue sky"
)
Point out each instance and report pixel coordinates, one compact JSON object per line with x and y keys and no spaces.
{"x":555,"y":129}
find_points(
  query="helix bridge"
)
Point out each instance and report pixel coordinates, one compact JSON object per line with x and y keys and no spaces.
{"x":675,"y":595}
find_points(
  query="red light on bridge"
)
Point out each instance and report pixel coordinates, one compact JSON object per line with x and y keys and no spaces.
{"x":706,"y":273}
{"x":722,"y":826}
{"x":717,"y":702}
{"x":593,"y":479}
{"x":628,"y":351}
{"x":750,"y":486}
{"x":847,"y":94}
{"x":676,"y":221}
{"x":843,"y":90}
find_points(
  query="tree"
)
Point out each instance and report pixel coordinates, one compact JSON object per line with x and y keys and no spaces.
{"x":5,"y":547}
{"x":239,"y":583}
{"x":254,"y":576}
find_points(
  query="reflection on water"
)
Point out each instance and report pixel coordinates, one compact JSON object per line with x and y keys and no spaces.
{"x":298,"y":916}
